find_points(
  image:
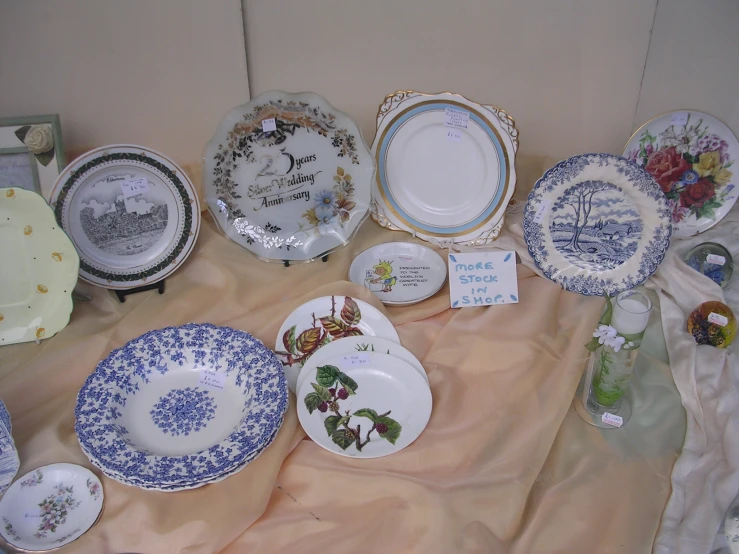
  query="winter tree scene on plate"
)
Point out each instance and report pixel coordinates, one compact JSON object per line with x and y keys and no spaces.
{"x":595,"y":225}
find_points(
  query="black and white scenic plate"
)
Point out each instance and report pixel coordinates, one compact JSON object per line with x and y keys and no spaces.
{"x":132,"y":214}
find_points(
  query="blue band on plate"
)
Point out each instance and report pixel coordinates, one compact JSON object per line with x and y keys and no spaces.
{"x":484,"y":125}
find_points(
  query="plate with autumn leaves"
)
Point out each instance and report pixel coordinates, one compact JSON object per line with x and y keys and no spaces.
{"x":691,"y":156}
{"x":321,"y":321}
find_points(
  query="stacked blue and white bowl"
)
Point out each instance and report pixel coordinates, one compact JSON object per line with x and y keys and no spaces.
{"x":181,"y":407}
{"x":9,"y":462}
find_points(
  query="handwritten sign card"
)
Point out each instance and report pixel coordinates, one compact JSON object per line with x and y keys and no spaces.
{"x":482,"y":279}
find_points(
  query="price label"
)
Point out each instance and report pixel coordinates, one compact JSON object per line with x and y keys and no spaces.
{"x":542,"y":211}
{"x":132,"y":187}
{"x":718,"y":319}
{"x":456,"y":118}
{"x":269,"y":125}
{"x":454,"y":136}
{"x":679,"y":119}
{"x":356,"y":360}
{"x":612,"y":419}
{"x":715,"y":259}
{"x":212,"y":380}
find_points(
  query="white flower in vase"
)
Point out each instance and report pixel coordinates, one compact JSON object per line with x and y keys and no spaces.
{"x":608,"y":336}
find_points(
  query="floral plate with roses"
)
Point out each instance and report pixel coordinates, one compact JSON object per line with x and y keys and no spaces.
{"x":691,"y":157}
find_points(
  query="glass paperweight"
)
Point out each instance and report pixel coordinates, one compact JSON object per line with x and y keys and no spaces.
{"x":712,"y":323}
{"x":712,"y":260}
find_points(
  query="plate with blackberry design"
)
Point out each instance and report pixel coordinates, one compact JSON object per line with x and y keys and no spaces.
{"x":132,"y":214}
{"x":692,"y":157}
{"x":364,"y":407}
{"x":288,"y":176}
{"x":360,"y":348}
{"x":50,"y":507}
{"x":597,"y":224}
{"x":322,"y":321}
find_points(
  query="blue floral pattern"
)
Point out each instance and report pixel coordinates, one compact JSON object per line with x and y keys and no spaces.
{"x":601,"y":246}
{"x":126,"y":371}
{"x":183,"y":411}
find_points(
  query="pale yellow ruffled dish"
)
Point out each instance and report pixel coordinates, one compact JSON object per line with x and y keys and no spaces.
{"x":38,"y":269}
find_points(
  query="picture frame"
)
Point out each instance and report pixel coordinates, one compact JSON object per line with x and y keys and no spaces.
{"x":31,"y":153}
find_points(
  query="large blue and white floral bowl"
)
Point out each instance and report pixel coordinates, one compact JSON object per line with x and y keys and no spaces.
{"x":181,"y":407}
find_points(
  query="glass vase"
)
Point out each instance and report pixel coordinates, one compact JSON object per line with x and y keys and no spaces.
{"x":603,"y":397}
{"x":611,"y":372}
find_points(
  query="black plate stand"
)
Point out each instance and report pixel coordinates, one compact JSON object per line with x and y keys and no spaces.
{"x":287,"y":262}
{"x":121,"y":294}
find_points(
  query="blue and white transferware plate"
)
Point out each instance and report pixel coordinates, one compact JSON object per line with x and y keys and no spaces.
{"x":187,"y":485}
{"x":288,"y":176}
{"x":597,"y":224}
{"x":181,"y":406}
{"x":9,"y":461}
{"x":445,"y":167}
{"x":5,"y":417}
{"x":50,"y":507}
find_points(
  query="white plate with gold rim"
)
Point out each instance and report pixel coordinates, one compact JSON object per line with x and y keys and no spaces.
{"x":131,"y":212}
{"x":38,"y":269}
{"x":445,"y":167}
{"x":50,"y":506}
{"x":360,"y":348}
{"x":364,"y":409}
{"x":399,"y":272}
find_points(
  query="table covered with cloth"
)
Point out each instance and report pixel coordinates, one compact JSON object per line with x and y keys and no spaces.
{"x":505,"y":464}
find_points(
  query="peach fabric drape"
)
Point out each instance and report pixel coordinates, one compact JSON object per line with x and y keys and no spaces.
{"x":504,"y":466}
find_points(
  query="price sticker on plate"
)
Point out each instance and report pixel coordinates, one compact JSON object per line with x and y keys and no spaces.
{"x":718,"y":319}
{"x":715,"y":259}
{"x":212,"y":379}
{"x":269,"y":125}
{"x":456,"y":118}
{"x":453,"y":135}
{"x":132,"y":187}
{"x":542,"y":211}
{"x":612,"y":419}
{"x":679,"y":119}
{"x":356,"y":360}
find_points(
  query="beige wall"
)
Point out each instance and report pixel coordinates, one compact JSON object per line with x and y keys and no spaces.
{"x":160,"y":73}
{"x":693,"y":60}
{"x":577,"y":75}
{"x":569,"y":71}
